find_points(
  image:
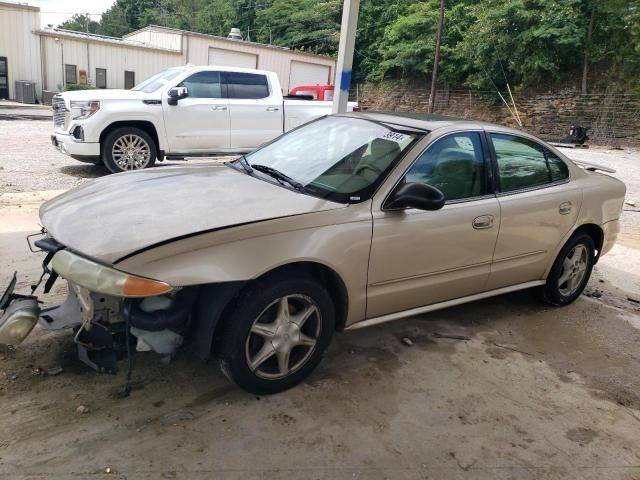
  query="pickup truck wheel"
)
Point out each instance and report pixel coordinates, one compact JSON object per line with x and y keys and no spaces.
{"x":128,"y":148}
{"x":276,"y":335}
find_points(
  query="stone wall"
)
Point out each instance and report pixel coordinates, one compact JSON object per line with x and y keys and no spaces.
{"x":612,"y":119}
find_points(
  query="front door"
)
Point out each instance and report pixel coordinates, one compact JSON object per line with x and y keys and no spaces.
{"x":255,"y":113}
{"x":539,"y":208}
{"x":4,"y":78}
{"x":200,"y":122}
{"x":419,"y":257}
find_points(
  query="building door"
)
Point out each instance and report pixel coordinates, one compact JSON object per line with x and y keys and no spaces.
{"x":304,"y":74}
{"x":4,"y":78}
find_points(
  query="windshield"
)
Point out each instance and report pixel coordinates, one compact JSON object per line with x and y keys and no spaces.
{"x":158,"y":81}
{"x":341,"y":159}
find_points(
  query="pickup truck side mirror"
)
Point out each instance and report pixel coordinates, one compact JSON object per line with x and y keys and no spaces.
{"x":177,"y":93}
{"x":416,"y":195}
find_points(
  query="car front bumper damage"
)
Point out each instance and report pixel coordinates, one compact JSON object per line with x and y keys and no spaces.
{"x":101,"y":323}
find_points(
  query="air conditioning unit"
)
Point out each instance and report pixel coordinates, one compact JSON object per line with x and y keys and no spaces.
{"x":25,"y":91}
{"x":47,"y":96}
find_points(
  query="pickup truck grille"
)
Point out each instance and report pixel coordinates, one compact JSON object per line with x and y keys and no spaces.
{"x":59,"y":111}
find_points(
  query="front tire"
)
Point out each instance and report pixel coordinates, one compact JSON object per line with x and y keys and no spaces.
{"x":128,"y":148}
{"x":571,"y":271}
{"x":276,"y":334}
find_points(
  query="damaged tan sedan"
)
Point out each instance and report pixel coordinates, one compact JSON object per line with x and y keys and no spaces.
{"x":348,"y":221}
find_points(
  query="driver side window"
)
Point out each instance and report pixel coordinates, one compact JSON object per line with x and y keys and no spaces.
{"x":455,"y":165}
{"x":203,"y":85}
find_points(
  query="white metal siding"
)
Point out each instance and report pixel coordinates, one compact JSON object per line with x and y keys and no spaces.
{"x":305,"y":73}
{"x":160,"y":39}
{"x":230,"y":58}
{"x":89,"y":55}
{"x":20,"y":45}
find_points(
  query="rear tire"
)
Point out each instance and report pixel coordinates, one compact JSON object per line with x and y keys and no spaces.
{"x":276,"y":334}
{"x":128,"y":148}
{"x":570,"y":272}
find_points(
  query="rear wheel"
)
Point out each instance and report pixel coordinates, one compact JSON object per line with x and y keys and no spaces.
{"x":276,"y":335}
{"x":571,"y":271}
{"x":128,"y":148}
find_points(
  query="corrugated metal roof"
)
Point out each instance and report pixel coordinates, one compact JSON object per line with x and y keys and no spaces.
{"x":92,"y":37}
{"x":158,"y":28}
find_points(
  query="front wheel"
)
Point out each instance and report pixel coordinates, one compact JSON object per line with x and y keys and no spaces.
{"x":276,"y":335}
{"x":128,"y":148}
{"x":571,"y":271}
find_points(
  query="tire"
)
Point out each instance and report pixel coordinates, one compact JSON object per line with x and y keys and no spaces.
{"x":117,"y":159}
{"x":563,"y":288}
{"x":252,"y":349}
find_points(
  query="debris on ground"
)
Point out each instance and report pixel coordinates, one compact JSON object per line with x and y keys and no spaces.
{"x":407,"y":341}
{"x":631,"y":203}
{"x":511,"y":348}
{"x":53,"y":371}
{"x":593,"y":293}
{"x":82,"y":409}
{"x":11,"y":376}
{"x":37,"y":371}
{"x":451,"y":337}
{"x":634,"y":300}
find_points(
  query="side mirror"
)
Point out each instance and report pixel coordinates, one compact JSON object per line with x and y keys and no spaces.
{"x":416,"y":195}
{"x":177,"y":93}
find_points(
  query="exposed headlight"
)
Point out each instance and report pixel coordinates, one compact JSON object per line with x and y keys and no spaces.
{"x":102,"y":279}
{"x":80,"y":110}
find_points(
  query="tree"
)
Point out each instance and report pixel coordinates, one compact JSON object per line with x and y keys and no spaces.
{"x":436,"y":60}
{"x":80,"y":23}
{"x":114,"y":22}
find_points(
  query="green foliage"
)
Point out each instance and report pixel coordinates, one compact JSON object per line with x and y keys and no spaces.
{"x":80,"y":23}
{"x":535,"y":42}
{"x":70,"y":87}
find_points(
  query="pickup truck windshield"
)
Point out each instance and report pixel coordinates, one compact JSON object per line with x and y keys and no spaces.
{"x":158,"y":81}
{"x":341,"y":159}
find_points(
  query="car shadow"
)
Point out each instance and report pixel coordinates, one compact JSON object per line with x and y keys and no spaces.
{"x":84,"y":171}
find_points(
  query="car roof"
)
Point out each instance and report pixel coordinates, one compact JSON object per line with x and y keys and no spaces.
{"x":431,"y":122}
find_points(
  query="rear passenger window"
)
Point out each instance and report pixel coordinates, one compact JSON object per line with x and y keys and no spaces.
{"x":246,"y":85}
{"x":454,"y":165}
{"x":523,"y":163}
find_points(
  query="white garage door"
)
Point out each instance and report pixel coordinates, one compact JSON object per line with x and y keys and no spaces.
{"x":303,"y":73}
{"x":229,"y":58}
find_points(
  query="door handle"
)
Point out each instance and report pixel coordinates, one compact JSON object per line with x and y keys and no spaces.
{"x":565,"y":208}
{"x":218,"y":107}
{"x":272,"y":109}
{"x":483,"y":222}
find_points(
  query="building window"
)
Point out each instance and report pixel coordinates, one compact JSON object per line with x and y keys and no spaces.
{"x":101,"y":78}
{"x":129,"y":79}
{"x":70,"y":74}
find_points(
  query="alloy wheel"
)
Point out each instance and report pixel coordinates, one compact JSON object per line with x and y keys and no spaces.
{"x":283,"y":337}
{"x":131,"y":152}
{"x":574,"y":269}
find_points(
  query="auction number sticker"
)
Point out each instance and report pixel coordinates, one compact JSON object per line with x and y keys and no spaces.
{"x":395,"y":136}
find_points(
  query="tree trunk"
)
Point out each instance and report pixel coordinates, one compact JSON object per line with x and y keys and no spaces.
{"x":587,"y":47}
{"x":436,"y":60}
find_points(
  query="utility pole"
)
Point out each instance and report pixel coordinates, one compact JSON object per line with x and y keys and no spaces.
{"x":344,"y":64}
{"x":436,"y":60}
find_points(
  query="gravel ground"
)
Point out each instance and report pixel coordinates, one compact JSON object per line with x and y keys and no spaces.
{"x":535,"y":392}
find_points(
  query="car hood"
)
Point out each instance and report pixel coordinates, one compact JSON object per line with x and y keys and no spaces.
{"x":114,"y":216}
{"x":104,"y":94}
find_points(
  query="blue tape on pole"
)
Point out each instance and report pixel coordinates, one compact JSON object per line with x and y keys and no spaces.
{"x":345,"y":81}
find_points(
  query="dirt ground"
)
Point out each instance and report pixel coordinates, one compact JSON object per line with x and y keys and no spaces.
{"x":535,"y":392}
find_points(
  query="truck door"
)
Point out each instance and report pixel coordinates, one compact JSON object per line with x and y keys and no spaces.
{"x":255,"y":110}
{"x":200,"y":122}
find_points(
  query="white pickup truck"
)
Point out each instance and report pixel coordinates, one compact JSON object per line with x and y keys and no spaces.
{"x":183,"y":111}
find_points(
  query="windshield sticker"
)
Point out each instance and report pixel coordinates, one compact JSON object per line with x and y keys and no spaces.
{"x":395,"y":137}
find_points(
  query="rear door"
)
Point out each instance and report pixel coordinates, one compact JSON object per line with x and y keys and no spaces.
{"x":200,"y":122}
{"x":539,"y":206}
{"x":255,"y":111}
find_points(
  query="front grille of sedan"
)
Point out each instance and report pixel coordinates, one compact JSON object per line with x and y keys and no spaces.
{"x":59,"y":111}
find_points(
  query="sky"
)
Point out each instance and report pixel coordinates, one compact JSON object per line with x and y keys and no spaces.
{"x":57,"y":11}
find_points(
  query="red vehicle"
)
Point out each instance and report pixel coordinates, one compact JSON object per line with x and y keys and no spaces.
{"x":318,"y":92}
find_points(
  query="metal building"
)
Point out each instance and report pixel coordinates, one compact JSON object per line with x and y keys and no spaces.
{"x":55,"y":59}
{"x":19,"y":47}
